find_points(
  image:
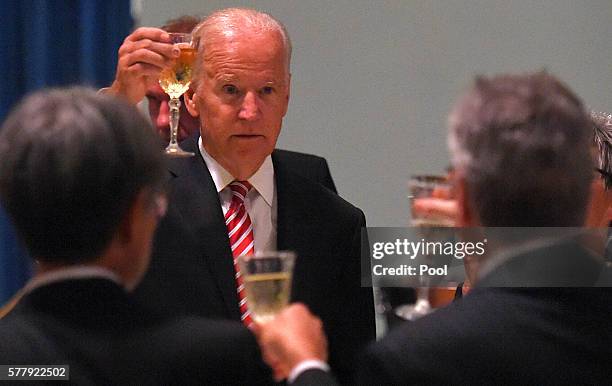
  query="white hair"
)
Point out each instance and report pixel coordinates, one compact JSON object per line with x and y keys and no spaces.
{"x":226,"y":22}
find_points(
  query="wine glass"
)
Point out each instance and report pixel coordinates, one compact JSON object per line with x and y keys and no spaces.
{"x":175,"y":81}
{"x":267,"y":282}
{"x":431,"y":188}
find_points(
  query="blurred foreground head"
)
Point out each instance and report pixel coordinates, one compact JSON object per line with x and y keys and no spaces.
{"x":80,"y":178}
{"x":521,"y":147}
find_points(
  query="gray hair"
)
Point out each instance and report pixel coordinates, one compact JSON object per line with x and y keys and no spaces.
{"x":224,"y":21}
{"x":602,"y":139}
{"x":72,"y":163}
{"x":522,"y":143}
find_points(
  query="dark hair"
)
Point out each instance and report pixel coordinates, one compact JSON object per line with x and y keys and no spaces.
{"x":184,"y":24}
{"x":523,"y":144}
{"x":602,"y":139}
{"x":72,"y":163}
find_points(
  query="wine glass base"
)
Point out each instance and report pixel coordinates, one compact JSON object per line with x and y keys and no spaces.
{"x":174,"y":151}
{"x":415,"y":311}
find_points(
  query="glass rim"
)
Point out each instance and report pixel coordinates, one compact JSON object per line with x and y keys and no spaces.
{"x":428,"y":178}
{"x":264,"y":254}
{"x":282,"y":254}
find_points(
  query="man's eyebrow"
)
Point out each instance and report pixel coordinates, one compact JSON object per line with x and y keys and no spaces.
{"x":227,"y":78}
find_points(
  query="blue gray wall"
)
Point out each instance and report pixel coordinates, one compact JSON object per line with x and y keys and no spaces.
{"x":373,"y":81}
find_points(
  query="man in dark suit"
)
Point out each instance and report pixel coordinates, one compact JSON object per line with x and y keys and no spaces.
{"x":143,"y":55}
{"x":82,"y":179}
{"x":520,"y":146}
{"x":240,"y":92}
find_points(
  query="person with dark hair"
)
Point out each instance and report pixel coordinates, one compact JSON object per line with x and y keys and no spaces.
{"x":83,"y":180}
{"x":142,"y":56}
{"x":521,"y":150}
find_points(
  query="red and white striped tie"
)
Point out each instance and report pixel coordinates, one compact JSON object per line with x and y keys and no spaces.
{"x":240,"y":231}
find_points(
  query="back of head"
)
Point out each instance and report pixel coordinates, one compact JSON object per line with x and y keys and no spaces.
{"x":522,"y":144}
{"x":72,"y":165}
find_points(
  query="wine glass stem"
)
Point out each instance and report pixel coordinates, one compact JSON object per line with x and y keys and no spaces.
{"x":423,"y":290}
{"x":175,"y":105}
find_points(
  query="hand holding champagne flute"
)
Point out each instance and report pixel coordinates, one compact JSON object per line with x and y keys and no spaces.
{"x":175,"y":82}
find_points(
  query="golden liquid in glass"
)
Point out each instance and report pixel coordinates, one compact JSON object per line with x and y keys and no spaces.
{"x":267,"y":294}
{"x":176,"y":79}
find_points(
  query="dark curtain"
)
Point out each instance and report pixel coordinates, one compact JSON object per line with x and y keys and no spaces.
{"x":52,"y":43}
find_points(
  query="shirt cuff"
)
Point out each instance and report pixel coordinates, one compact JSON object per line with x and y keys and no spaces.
{"x":303,"y":366}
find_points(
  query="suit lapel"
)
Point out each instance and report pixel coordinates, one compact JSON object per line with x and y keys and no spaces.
{"x":204,"y":216}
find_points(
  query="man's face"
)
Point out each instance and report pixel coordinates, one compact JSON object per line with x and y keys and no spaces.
{"x":160,"y":115}
{"x":241,"y":99}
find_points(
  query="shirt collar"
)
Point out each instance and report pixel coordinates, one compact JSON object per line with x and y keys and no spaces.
{"x":71,"y":273}
{"x":262,"y":180}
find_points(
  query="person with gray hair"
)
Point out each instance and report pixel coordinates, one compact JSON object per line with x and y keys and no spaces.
{"x":145,"y":52}
{"x":278,"y":199}
{"x":520,"y":146}
{"x":83,"y":180}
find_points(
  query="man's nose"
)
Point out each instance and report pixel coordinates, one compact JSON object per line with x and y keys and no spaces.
{"x":163,"y":116}
{"x":249,"y":110}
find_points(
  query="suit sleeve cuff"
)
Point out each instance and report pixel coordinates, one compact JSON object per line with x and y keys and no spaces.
{"x":311,"y":364}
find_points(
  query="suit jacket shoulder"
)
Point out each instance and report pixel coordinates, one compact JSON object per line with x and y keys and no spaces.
{"x":309,"y":166}
{"x":105,"y":338}
{"x":499,"y":335}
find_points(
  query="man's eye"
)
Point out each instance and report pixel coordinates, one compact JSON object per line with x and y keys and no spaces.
{"x":267,"y":90}
{"x":230,"y":89}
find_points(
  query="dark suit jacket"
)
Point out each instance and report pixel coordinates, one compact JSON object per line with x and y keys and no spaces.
{"x":192,"y":271}
{"x":498,"y":336}
{"x":94,"y":326}
{"x":503,"y":336}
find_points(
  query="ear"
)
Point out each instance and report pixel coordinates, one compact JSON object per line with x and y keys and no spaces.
{"x":189,"y":99}
{"x":131,"y":223}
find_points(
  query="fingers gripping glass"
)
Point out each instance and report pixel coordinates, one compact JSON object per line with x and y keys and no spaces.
{"x":175,"y":80}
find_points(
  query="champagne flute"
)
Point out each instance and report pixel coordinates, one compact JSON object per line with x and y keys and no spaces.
{"x":429,"y":187}
{"x":175,"y":81}
{"x":267,"y":282}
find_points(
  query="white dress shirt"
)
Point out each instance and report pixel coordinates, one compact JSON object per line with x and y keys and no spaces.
{"x":261,"y":205}
{"x":260,"y":202}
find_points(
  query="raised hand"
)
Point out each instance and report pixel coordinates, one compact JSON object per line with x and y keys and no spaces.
{"x":142,"y":56}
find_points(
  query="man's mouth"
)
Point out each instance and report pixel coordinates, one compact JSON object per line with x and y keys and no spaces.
{"x":247,"y":136}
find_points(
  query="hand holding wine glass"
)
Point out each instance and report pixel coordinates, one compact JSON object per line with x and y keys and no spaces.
{"x":142,"y":56}
{"x":432,"y":206}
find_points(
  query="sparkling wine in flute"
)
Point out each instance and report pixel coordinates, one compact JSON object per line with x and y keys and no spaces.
{"x":175,"y":80}
{"x":267,"y":282}
{"x":267,"y":294}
